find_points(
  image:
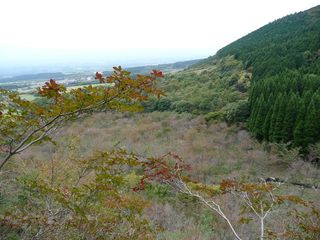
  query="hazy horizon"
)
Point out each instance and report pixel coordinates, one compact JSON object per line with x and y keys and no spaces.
{"x":51,"y":35}
{"x":46,"y":60}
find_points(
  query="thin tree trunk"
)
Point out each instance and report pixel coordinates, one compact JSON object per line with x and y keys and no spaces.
{"x":3,"y":161}
{"x":262,"y":228}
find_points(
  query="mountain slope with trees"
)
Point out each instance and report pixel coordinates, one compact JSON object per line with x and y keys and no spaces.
{"x":277,"y":67}
{"x":292,"y":42}
{"x":215,"y":87}
{"x":284,"y":58}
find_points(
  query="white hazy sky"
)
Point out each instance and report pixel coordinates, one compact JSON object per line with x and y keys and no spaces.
{"x":192,"y":28}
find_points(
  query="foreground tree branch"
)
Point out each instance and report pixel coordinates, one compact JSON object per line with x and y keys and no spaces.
{"x":82,"y":206}
{"x":24,"y":123}
{"x":211,"y":204}
{"x":257,"y":199}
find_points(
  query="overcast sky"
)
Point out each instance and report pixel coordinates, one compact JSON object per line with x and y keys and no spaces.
{"x":136,"y":28}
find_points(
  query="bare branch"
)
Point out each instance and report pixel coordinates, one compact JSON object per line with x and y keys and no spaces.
{"x":210,"y":204}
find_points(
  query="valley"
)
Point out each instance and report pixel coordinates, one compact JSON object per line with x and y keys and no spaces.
{"x":226,"y":147}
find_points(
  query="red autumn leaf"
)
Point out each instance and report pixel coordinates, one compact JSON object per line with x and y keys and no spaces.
{"x":51,"y":89}
{"x":157,"y":73}
{"x":99,"y":77}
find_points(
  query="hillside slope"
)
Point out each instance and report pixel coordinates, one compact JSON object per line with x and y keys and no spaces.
{"x":284,"y":58}
{"x":215,"y":88}
{"x":277,"y":67}
{"x":292,"y":42}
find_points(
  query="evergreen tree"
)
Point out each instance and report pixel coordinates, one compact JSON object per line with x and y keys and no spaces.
{"x":274,"y":117}
{"x":253,"y":115}
{"x":298,"y":134}
{"x":278,"y":124}
{"x":260,"y":118}
{"x":266,"y":124}
{"x":307,"y":95}
{"x":312,"y":121}
{"x":290,"y":118}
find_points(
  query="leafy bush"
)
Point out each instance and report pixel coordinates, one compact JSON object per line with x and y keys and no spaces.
{"x":164,"y":104}
{"x":236,"y":112}
{"x":212,"y":116}
{"x":183,"y":106}
{"x":150,"y":105}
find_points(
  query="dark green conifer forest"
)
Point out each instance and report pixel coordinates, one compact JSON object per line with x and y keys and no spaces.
{"x":286,"y":108}
{"x":284,"y":57}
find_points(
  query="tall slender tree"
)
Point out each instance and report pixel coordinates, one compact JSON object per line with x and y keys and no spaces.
{"x":274,"y":116}
{"x":311,"y":128}
{"x":278,"y":126}
{"x":298,"y":134}
{"x":290,"y":118}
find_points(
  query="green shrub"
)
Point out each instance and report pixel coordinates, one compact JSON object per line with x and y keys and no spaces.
{"x":236,"y":112}
{"x":164,"y":104}
{"x":150,"y":105}
{"x":184,"y":106}
{"x":212,"y":116}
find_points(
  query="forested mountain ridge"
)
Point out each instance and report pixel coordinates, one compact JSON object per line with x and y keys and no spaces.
{"x":292,"y":42}
{"x":277,"y":67}
{"x":284,"y":59}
